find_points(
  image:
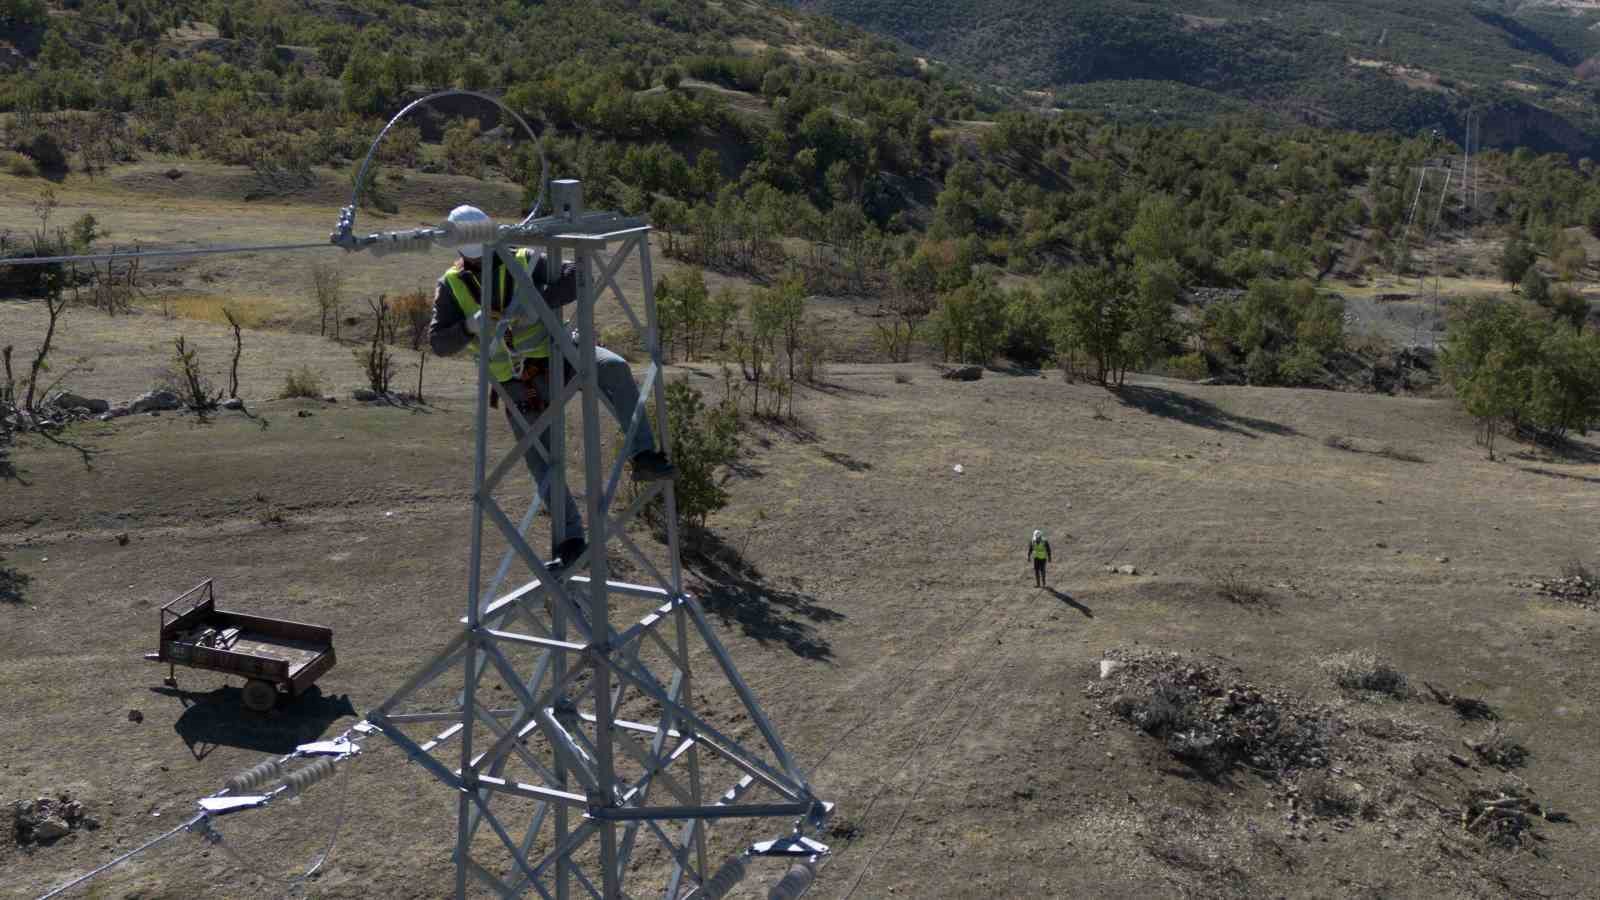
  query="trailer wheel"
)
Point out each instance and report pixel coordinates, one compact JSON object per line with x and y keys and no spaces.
{"x":260,"y":696}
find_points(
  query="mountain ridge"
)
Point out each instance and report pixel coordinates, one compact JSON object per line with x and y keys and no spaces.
{"x":1533,"y":69}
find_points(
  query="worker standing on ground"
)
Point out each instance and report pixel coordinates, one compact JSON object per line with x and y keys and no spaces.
{"x":458,"y":320}
{"x":1039,"y":552}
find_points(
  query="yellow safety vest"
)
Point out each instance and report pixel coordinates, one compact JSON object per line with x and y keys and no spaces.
{"x":1039,"y":551}
{"x":528,"y":341}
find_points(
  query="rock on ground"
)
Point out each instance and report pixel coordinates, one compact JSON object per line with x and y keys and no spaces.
{"x":155,"y":401}
{"x":70,"y":400}
{"x":963,"y":373}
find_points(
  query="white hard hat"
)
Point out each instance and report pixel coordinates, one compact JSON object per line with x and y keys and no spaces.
{"x":463,"y":215}
{"x":1037,"y":534}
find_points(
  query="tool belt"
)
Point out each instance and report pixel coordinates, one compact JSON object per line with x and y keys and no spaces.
{"x":528,"y":386}
{"x":525,"y":384}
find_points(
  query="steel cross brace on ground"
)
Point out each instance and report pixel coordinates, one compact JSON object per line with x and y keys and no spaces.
{"x":588,"y":775}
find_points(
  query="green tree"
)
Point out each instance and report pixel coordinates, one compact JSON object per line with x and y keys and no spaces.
{"x":1027,"y":341}
{"x":1535,"y":286}
{"x":1515,"y":261}
{"x":1571,"y":306}
{"x":1093,"y":312}
{"x":1488,"y":361}
{"x":1157,"y":233}
{"x":56,"y":52}
{"x":1157,"y":285}
{"x":971,"y":321}
{"x":704,"y":441}
{"x":683,"y":311}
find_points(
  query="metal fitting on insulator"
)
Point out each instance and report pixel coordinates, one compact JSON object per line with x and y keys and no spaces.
{"x":343,"y":232}
{"x":255,"y":776}
{"x":300,"y":779}
{"x":717,"y":886}
{"x":458,"y":233}
{"x":419,"y":240}
{"x":794,"y":882}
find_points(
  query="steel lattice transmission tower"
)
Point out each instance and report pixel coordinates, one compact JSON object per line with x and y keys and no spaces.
{"x":563,"y":712}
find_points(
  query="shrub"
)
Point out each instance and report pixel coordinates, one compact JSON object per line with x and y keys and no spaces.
{"x":1326,"y":796}
{"x":18,"y":165}
{"x":1301,"y":367}
{"x":1190,"y":366}
{"x":1363,"y":670}
{"x":45,"y":151}
{"x":12,"y":583}
{"x":1234,"y":586}
{"x":1261,"y":366}
{"x":1499,"y":749}
{"x":302,"y":382}
{"x":186,"y":379}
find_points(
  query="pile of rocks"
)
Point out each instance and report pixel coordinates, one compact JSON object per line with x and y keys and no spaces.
{"x":46,"y":820}
{"x":1571,"y":588}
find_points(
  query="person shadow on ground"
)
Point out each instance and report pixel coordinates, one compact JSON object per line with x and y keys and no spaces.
{"x":1066,"y":598}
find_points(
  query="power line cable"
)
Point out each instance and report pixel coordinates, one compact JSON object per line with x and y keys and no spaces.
{"x":169,"y":254}
{"x":124,"y":857}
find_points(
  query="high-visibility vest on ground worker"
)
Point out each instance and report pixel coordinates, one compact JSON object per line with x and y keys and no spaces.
{"x":1039,"y":551}
{"x":530,"y":340}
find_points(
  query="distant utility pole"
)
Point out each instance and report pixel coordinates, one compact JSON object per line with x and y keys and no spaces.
{"x":1469,"y":173}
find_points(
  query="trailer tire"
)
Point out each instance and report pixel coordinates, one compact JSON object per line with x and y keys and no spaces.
{"x":260,"y":696}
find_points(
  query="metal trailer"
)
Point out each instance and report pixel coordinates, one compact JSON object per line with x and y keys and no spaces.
{"x":276,"y":656}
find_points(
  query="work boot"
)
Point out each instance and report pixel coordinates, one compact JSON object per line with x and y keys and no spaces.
{"x":566,"y":553}
{"x":652,"y":465}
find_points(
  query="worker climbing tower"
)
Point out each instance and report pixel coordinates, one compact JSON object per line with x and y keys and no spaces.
{"x":567,"y":711}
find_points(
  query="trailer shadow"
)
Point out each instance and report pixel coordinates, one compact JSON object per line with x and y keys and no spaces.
{"x":218,"y":718}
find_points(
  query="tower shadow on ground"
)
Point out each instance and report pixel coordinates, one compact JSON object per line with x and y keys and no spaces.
{"x":1194,"y":411}
{"x":734,"y":590}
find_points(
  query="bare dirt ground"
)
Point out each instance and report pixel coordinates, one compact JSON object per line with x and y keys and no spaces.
{"x":878,"y":602}
{"x":888,"y":622}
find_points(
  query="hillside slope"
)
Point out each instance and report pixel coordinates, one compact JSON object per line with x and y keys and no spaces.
{"x":1350,"y":63}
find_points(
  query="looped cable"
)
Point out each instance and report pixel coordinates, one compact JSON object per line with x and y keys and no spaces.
{"x":345,"y":231}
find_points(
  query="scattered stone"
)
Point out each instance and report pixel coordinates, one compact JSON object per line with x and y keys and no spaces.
{"x":1109,"y":667}
{"x":122,"y":539}
{"x":304,"y":413}
{"x":233,"y":403}
{"x":49,"y":829}
{"x":962,"y":373}
{"x":1127,"y":570}
{"x":44,"y":820}
{"x":1444,"y":559}
{"x":155,"y":400}
{"x":135,"y":716}
{"x":1381,"y":545}
{"x":174,"y":174}
{"x":330,"y":399}
{"x":364,"y":395}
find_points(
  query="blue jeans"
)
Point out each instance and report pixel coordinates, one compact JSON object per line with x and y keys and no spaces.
{"x":621,"y":396}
